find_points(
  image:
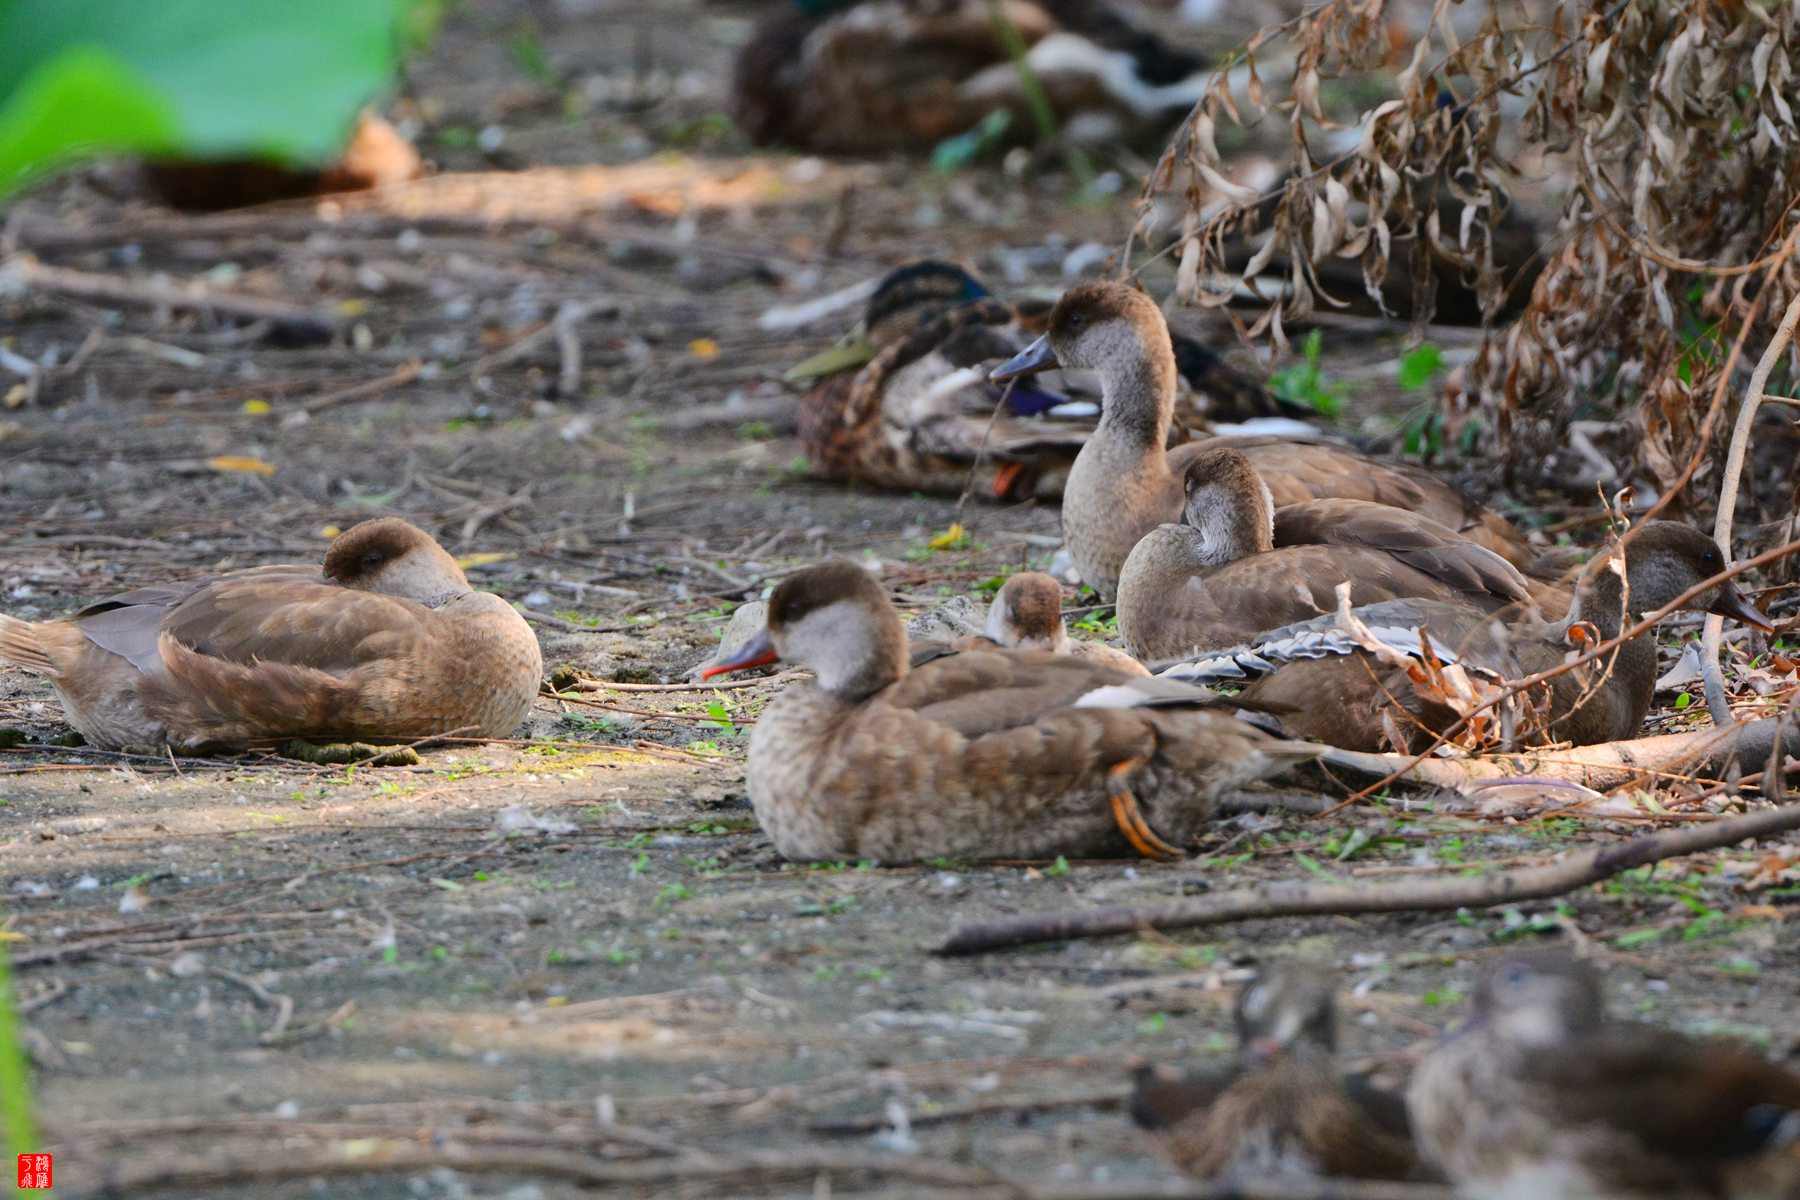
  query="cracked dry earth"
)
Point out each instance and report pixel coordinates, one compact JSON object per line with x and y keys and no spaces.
{"x":256,"y":977}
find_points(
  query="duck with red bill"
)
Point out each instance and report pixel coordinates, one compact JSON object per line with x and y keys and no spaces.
{"x":759,"y":651}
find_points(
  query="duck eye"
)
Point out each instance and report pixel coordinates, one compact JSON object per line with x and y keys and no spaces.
{"x":372,"y":559}
{"x":1075,"y":321}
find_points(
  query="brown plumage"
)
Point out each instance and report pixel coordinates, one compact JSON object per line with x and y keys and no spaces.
{"x":1124,"y":483}
{"x":385,"y":643}
{"x":1283,"y":1107}
{"x":985,"y":754}
{"x":887,"y":76}
{"x":1328,"y":687}
{"x":1236,"y":567}
{"x":913,"y":411}
{"x":1541,"y":1095}
{"x":1026,"y":614}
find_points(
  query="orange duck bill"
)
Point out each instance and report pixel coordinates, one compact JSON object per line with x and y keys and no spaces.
{"x":1030,"y":361}
{"x":1733,"y":603}
{"x":759,"y":651}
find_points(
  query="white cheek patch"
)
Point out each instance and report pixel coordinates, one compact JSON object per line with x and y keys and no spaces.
{"x":996,"y":622}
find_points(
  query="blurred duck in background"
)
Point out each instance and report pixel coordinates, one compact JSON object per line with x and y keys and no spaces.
{"x":902,"y":76}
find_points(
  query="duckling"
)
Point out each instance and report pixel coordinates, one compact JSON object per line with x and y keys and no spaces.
{"x":1219,"y":578}
{"x":387,"y":642}
{"x":1540,"y":1094}
{"x":1283,"y":1108}
{"x":901,"y":76}
{"x":985,"y":754}
{"x":920,"y":415}
{"x":1026,"y":614}
{"x":1328,"y":686}
{"x":1125,"y":482}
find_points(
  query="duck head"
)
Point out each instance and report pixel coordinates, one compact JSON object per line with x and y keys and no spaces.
{"x":394,"y":558}
{"x":1662,"y":562}
{"x":1027,"y":613}
{"x":906,"y":298}
{"x":1287,"y":1007}
{"x":1106,"y":327}
{"x":834,"y":620}
{"x":1228,"y":506}
{"x":1539,"y":998}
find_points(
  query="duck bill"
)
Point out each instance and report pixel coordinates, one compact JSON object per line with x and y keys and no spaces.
{"x":759,"y":651}
{"x":852,"y":350}
{"x":1732,"y":603}
{"x":1032,"y":359}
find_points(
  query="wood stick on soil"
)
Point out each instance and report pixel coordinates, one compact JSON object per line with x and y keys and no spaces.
{"x":1288,"y":899}
{"x":24,"y":273}
{"x":145,"y":1175}
{"x":1716,"y":700}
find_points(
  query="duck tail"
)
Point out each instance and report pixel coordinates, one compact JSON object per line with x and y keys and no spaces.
{"x":19,"y":643}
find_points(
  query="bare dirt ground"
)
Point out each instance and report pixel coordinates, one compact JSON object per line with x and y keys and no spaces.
{"x":575,"y":962}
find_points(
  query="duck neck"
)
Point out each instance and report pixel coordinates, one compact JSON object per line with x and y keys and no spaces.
{"x":1138,"y":398}
{"x":1222,"y":528}
{"x":1603,"y":602}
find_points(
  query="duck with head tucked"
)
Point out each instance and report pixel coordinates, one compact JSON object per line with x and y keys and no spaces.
{"x":1541,"y":1095}
{"x":387,"y":642}
{"x":1330,"y":683}
{"x":904,"y":402}
{"x":1237,"y":566}
{"x":901,"y":76}
{"x":1283,"y":1108}
{"x":1125,"y":482}
{"x":983,"y":754}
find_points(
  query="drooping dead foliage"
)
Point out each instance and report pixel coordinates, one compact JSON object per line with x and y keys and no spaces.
{"x":1668,"y":127}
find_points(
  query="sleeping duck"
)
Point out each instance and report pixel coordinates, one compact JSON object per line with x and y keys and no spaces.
{"x":884,"y":76}
{"x":903,"y":401}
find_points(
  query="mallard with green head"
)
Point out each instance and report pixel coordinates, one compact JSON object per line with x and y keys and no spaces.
{"x":901,"y":76}
{"x":903,"y":400}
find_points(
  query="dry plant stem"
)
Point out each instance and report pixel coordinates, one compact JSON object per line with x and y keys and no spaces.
{"x":1716,"y":701}
{"x":1556,"y":878}
{"x":1253,"y":1189}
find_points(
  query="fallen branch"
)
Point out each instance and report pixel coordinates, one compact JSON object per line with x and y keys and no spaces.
{"x":1288,"y":899}
{"x":293,"y":323}
{"x":138,"y":1176}
{"x":1602,"y":767}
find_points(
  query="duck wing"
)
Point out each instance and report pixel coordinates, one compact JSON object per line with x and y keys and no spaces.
{"x":1418,"y":541}
{"x":291,"y":619}
{"x":978,"y":692}
{"x":131,"y":623}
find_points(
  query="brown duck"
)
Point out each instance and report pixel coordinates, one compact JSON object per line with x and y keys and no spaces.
{"x":386,"y":643}
{"x":1327,"y":685}
{"x":1237,"y":567}
{"x":1541,"y":1095}
{"x":986,"y":754}
{"x":901,"y":76}
{"x":902,"y":402}
{"x":1283,"y":1108}
{"x":1124,"y":483}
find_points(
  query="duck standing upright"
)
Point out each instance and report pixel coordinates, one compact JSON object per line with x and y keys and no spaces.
{"x":1218,"y":578}
{"x":987,"y":754}
{"x":901,"y":76}
{"x":1124,"y":483}
{"x":1541,"y":1095}
{"x":1328,"y":684}
{"x":387,"y":642}
{"x":1283,"y":1108}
